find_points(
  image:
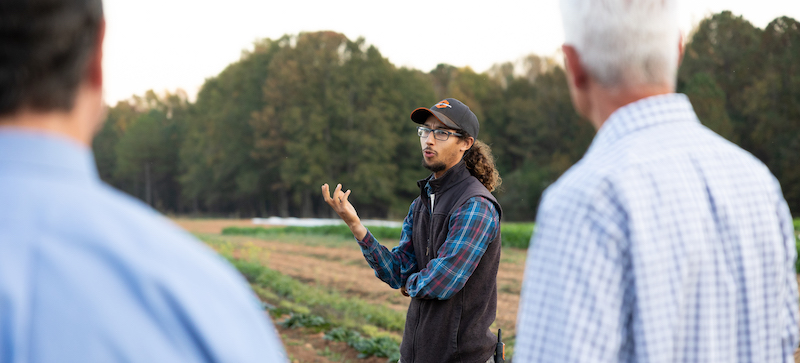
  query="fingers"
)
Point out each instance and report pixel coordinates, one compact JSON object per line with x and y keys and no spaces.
{"x":338,"y":196}
{"x":326,"y":194}
{"x":337,"y":193}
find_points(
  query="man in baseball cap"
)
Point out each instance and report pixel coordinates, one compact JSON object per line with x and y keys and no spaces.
{"x":449,"y":249}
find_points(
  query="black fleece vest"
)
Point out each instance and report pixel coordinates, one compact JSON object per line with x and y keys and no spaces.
{"x":457,"y":329}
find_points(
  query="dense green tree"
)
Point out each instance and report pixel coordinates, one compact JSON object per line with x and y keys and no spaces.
{"x":333,"y":111}
{"x":104,"y":143}
{"x":147,"y":152}
{"x":773,"y":103}
{"x":219,"y":171}
{"x":294,"y":129}
{"x":708,"y":101}
{"x":726,"y":47}
{"x":541,"y":137}
{"x":412,"y":89}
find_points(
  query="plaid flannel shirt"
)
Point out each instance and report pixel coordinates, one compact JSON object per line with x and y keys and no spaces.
{"x":472,"y":227}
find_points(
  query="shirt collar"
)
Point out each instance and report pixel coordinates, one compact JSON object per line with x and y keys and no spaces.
{"x":644,"y":113}
{"x":30,"y":150}
{"x":452,"y":176}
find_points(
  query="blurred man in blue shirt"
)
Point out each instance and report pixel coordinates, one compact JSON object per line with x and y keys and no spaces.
{"x":88,"y":274}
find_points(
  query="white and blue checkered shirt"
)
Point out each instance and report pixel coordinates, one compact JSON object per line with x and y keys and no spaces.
{"x":665,"y":243}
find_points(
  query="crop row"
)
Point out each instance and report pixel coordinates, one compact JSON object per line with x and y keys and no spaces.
{"x":516,"y":235}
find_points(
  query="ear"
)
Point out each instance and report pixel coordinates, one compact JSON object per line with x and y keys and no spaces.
{"x":577,"y":75}
{"x":681,"y":49}
{"x":94,"y":72}
{"x":468,"y":142}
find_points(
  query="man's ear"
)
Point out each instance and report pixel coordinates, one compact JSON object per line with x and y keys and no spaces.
{"x":94,"y":71}
{"x":468,"y":142}
{"x":681,"y":49}
{"x":577,"y":75}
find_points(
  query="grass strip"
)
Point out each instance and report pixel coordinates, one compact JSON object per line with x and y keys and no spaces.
{"x":336,"y":230}
{"x":515,"y":235}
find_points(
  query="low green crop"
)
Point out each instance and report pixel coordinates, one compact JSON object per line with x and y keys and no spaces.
{"x":377,"y":346}
{"x":516,"y":235}
{"x":305,"y":321}
{"x":336,"y":230}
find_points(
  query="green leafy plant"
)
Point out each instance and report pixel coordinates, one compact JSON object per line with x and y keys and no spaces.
{"x":305,"y":321}
{"x":383,"y":346}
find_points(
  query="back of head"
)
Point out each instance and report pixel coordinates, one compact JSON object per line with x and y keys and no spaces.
{"x":45,"y":46}
{"x":624,"y":42}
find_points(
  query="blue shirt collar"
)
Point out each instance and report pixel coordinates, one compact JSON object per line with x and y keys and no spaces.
{"x":26,"y":150}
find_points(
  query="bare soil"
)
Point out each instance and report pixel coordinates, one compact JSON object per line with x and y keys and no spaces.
{"x":213,"y":226}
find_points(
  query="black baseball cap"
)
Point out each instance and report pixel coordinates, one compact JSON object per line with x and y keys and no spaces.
{"x":451,"y":112}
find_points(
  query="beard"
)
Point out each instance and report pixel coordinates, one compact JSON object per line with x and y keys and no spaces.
{"x":435,"y":167}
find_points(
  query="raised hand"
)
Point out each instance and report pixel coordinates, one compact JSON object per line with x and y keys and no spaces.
{"x":344,"y":209}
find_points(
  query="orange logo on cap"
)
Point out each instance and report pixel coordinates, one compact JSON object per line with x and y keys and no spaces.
{"x":443,"y":104}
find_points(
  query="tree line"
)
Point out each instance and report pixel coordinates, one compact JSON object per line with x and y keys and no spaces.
{"x":313,"y":108}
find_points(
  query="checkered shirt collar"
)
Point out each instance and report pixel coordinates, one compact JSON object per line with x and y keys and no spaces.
{"x":644,"y":113}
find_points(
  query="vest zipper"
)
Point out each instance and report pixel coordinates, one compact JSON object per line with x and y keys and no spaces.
{"x":428,"y":246}
{"x":427,"y":254}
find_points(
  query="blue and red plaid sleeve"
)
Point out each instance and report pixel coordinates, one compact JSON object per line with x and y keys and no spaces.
{"x":395,"y":266}
{"x":472,"y":228}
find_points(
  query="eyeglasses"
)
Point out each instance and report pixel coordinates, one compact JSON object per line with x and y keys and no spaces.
{"x":440,"y":135}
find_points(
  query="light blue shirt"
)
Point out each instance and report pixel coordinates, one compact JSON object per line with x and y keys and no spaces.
{"x":665,"y":243}
{"x":88,"y":274}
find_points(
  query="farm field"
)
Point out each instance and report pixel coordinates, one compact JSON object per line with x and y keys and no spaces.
{"x":335,"y":265}
{"x":327,"y":276}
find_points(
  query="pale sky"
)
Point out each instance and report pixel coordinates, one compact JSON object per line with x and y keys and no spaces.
{"x":170,"y":44}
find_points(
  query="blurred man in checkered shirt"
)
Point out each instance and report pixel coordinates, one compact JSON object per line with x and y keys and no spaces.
{"x":666,"y":242}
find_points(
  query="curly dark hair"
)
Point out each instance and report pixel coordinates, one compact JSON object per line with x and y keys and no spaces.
{"x":480,"y":163}
{"x":45,"y":48}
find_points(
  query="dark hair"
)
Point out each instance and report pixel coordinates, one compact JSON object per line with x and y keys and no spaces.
{"x":480,"y":163}
{"x":45,"y":47}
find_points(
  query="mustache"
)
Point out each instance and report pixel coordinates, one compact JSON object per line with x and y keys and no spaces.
{"x":429,"y":149}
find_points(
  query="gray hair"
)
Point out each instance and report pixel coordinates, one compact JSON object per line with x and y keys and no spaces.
{"x":624,"y":42}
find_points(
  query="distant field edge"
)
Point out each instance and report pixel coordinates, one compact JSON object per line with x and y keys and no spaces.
{"x":514,"y":234}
